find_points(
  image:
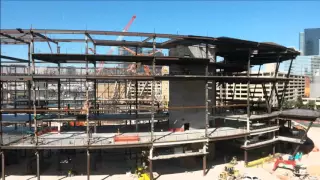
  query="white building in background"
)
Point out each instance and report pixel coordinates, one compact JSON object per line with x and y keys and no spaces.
{"x":234,"y":91}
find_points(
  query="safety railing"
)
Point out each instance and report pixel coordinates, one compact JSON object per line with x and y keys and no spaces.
{"x":261,"y":127}
{"x":100,"y":140}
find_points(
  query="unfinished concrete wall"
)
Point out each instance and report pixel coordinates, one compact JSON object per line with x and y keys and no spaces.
{"x":188,"y":93}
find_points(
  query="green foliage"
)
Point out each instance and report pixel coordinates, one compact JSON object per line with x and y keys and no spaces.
{"x":299,"y":103}
{"x":311,"y":104}
{"x":288,"y":104}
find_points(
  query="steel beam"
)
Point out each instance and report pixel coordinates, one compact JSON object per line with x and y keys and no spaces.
{"x":147,"y":39}
{"x":302,"y":138}
{"x":92,"y":40}
{"x":265,"y":95}
{"x":274,"y":82}
{"x":285,"y":85}
{"x":112,"y":33}
{"x":14,"y":58}
{"x":44,"y":37}
{"x":14,"y":38}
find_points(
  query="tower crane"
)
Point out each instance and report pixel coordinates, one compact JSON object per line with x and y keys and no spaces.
{"x":120,"y":38}
{"x":132,"y":67}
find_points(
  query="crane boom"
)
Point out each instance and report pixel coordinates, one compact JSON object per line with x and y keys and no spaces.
{"x":126,"y":28}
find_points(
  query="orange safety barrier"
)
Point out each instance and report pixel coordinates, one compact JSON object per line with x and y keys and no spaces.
{"x":176,"y":130}
{"x":126,"y":138}
{"x":77,"y":123}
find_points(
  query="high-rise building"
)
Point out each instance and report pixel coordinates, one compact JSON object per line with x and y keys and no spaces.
{"x":308,"y":66}
{"x":300,"y":66}
{"x":295,"y":88}
{"x":301,"y":43}
{"x":311,"y":41}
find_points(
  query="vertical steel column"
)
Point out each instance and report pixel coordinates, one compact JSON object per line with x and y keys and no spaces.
{"x":87,"y":110}
{"x":88,"y":164}
{"x":87,"y":92}
{"x":248,"y":92}
{"x":1,"y":139}
{"x":59,"y":85}
{"x":38,"y":165}
{"x":1,"y":96}
{"x":15,"y":93}
{"x":205,"y":145}
{"x":95,"y":82}
{"x":204,"y":164}
{"x":151,"y":169}
{"x":245,"y":157}
{"x":34,"y":91}
{"x":95,"y":89}
{"x":153,"y":86}
{"x":3,"y":176}
{"x":285,"y":85}
{"x":273,"y":149}
{"x":29,"y":83}
{"x":136,"y":95}
{"x":150,"y":162}
{"x":206,"y":95}
{"x":214,"y":89}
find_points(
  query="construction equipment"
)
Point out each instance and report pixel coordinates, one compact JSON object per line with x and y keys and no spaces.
{"x":142,"y":173}
{"x":298,"y":169}
{"x":230,"y":172}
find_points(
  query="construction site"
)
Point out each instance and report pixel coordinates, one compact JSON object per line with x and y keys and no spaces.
{"x":161,"y":98}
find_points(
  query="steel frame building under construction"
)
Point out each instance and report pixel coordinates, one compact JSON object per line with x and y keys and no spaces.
{"x":196,"y":118}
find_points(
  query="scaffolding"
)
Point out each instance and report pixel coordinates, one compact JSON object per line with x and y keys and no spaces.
{"x":65,"y":94}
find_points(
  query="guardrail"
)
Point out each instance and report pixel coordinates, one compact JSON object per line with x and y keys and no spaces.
{"x":99,"y":140}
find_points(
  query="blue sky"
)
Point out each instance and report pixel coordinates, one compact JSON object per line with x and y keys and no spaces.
{"x":275,"y":21}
